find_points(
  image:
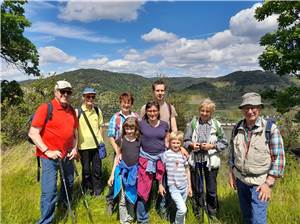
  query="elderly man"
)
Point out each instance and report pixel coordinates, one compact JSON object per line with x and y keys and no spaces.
{"x":256,"y":160}
{"x":56,"y":144}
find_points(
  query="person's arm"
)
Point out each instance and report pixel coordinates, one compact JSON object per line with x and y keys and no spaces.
{"x":231,"y":177}
{"x":173,"y":124}
{"x":188,"y":174}
{"x":167,"y":138}
{"x":114,"y":145}
{"x":277,"y":165}
{"x":34,"y":134}
{"x":110,"y":181}
{"x":187,"y":142}
{"x":100,"y":123}
{"x":73,"y":153}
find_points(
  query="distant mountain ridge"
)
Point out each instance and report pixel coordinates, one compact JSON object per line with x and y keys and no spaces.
{"x":225,"y":90}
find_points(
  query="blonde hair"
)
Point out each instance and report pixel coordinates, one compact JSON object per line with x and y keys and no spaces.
{"x":176,"y":135}
{"x":208,"y":103}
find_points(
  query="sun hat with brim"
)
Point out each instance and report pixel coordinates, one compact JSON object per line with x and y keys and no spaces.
{"x":253,"y":99}
{"x":62,"y":84}
{"x":88,"y":90}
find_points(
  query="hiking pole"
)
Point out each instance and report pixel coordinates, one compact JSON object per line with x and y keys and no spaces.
{"x":61,"y":169}
{"x":205,"y":209}
{"x":85,"y":203}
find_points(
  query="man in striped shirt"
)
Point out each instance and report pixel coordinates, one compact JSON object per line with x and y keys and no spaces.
{"x":255,"y":162}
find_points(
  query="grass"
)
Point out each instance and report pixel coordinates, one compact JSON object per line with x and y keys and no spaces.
{"x":20,"y":194}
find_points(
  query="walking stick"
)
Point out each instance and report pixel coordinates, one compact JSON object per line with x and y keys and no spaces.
{"x":85,"y":203}
{"x":61,"y":169}
{"x":204,"y":208}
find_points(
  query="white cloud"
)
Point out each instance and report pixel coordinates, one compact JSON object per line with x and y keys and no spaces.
{"x":71,"y":32}
{"x":244,"y":24}
{"x":159,"y":35}
{"x":51,"y":54}
{"x":10,"y":72}
{"x":100,"y":10}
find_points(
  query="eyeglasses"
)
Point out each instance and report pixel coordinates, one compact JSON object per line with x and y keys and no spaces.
{"x":90,"y":97}
{"x":63,"y":92}
{"x":246,"y":109}
{"x":152,"y":111}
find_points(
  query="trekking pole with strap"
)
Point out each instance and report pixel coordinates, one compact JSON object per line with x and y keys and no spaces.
{"x":85,"y":203}
{"x":202,"y":173}
{"x":61,"y":169}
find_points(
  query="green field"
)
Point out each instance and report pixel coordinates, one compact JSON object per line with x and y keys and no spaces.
{"x":20,"y":194}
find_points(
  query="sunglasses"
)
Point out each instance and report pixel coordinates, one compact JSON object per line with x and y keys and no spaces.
{"x":63,"y":92}
{"x":90,"y":97}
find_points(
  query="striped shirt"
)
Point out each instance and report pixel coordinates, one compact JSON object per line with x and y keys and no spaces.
{"x":115,"y":127}
{"x":276,"y":149}
{"x":176,"y":165}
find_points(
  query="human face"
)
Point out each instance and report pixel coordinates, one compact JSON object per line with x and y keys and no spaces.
{"x":126,"y":106}
{"x":159,"y":92}
{"x":251,"y":113}
{"x":129,"y":131}
{"x":205,"y":113}
{"x":175,"y":145}
{"x":152,"y":113}
{"x":89,"y":99}
{"x":63,"y":96}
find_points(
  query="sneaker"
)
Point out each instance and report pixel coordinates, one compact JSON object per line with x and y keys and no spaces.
{"x":110,"y":209}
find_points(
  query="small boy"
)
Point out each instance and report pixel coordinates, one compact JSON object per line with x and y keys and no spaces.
{"x":178,"y":178}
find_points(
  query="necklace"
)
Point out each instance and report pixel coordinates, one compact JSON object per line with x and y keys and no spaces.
{"x":129,"y":140}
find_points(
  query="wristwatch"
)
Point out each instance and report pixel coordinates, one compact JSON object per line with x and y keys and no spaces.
{"x":270,"y":185}
{"x":45,"y":150}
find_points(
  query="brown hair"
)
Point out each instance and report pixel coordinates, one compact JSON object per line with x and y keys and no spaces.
{"x":131,"y":122}
{"x":126,"y":96}
{"x":158,"y":82}
{"x":150,"y":104}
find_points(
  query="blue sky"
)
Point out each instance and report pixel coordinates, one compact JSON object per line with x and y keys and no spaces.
{"x":197,"y":38}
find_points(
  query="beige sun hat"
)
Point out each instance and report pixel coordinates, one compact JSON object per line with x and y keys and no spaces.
{"x":62,"y":84}
{"x":253,"y":99}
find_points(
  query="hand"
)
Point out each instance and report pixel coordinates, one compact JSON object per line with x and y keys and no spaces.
{"x":118,"y":158}
{"x":195,"y":146}
{"x":110,"y":181}
{"x":207,"y":146}
{"x":73,"y":154}
{"x":184,"y":153}
{"x":232,"y":180}
{"x":190,"y":191}
{"x":161,"y":190}
{"x":264,"y":192}
{"x":53,"y":154}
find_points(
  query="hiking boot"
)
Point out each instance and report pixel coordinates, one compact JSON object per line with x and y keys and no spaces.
{"x":110,"y":209}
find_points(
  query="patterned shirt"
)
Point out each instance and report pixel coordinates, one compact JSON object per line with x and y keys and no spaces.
{"x":276,"y":149}
{"x":176,"y":166}
{"x":115,"y":128}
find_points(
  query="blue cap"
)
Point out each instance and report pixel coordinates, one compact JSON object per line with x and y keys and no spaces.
{"x":88,"y":90}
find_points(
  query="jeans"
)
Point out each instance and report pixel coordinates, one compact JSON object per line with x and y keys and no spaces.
{"x":91,"y":170}
{"x":126,"y":209}
{"x":49,"y":187}
{"x":199,"y":197}
{"x":142,"y":211}
{"x":253,"y":210}
{"x":179,"y":196}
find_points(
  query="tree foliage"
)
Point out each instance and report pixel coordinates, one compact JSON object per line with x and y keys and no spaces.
{"x":282,"y":52}
{"x":12,"y":92}
{"x":15,"y":48}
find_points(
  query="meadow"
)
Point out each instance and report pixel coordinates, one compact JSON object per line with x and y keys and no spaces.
{"x":20,"y":194}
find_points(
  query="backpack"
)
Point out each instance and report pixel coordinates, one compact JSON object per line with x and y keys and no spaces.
{"x":49,"y":117}
{"x":270,"y":122}
{"x":80,"y":111}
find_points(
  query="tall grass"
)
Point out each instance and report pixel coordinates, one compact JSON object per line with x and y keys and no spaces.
{"x":20,"y":194}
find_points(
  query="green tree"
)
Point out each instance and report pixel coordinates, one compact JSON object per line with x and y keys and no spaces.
{"x":282,"y":52}
{"x":12,"y":92}
{"x":15,"y":48}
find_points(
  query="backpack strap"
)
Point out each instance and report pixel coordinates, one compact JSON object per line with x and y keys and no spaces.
{"x":236,"y":128}
{"x":170,"y":113}
{"x":80,"y":111}
{"x":219,"y":132}
{"x":194,"y":123}
{"x":270,"y":122}
{"x":118,"y":122}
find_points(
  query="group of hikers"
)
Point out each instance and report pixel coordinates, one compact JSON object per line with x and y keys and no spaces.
{"x":154,"y":160}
